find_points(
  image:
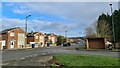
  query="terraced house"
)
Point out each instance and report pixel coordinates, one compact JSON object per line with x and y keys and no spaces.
{"x":36,"y":38}
{"x":14,"y":38}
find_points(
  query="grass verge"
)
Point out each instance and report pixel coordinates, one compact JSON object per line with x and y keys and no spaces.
{"x":85,"y":60}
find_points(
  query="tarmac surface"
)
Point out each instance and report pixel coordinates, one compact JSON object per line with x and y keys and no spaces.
{"x":40,"y":56}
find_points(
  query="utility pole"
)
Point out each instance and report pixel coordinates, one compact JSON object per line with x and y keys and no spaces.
{"x":113,"y":25}
{"x":26,"y":29}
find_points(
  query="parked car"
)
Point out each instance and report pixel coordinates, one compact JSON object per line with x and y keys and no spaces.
{"x":109,"y":45}
{"x":66,"y":44}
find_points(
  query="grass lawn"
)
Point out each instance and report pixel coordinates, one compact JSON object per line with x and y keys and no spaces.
{"x":86,"y":60}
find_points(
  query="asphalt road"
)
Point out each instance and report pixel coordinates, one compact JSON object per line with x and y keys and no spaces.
{"x":9,"y":55}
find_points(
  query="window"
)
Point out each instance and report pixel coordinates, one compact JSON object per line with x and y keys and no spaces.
{"x":11,"y":34}
{"x":41,"y":38}
{"x":20,"y":35}
{"x":36,"y":37}
{"x":20,"y":42}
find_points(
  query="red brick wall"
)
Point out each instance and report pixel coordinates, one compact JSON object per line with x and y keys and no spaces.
{"x":36,"y":40}
{"x":96,"y":43}
{"x":7,"y":37}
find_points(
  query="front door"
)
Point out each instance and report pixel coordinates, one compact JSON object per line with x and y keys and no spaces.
{"x":11,"y":44}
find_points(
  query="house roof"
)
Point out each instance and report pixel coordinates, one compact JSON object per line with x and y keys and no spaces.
{"x":31,"y":33}
{"x":50,"y":34}
{"x":6,"y":30}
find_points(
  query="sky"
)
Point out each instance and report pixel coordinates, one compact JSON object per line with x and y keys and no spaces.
{"x":53,"y":17}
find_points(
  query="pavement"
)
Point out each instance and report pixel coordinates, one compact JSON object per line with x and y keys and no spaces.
{"x":40,"y":56}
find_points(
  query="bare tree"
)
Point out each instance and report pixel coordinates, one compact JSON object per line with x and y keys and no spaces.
{"x":103,"y":29}
{"x":91,"y":30}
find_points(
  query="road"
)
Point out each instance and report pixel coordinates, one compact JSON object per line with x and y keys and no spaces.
{"x":21,"y":54}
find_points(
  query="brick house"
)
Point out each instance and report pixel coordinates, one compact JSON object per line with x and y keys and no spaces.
{"x":51,"y":38}
{"x":96,"y":43}
{"x":14,"y":38}
{"x":36,"y":37}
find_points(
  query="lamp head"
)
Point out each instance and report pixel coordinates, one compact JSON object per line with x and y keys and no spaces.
{"x":28,"y":16}
{"x":110,"y":4}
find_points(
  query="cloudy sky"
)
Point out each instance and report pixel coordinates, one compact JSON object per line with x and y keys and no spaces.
{"x":54,"y":17}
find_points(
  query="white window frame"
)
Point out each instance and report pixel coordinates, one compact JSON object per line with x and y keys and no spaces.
{"x":11,"y":33}
{"x":36,"y":37}
{"x":53,"y":39}
{"x":21,"y":42}
{"x":21,"y":35}
{"x":41,"y":38}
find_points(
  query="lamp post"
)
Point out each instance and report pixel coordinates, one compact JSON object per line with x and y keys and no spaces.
{"x":113,"y":25}
{"x":26,"y":29}
{"x":66,"y":35}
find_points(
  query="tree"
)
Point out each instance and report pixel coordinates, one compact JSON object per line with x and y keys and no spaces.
{"x":91,"y":30}
{"x":104,"y":26}
{"x":103,"y":29}
{"x":59,"y":40}
{"x":116,"y":18}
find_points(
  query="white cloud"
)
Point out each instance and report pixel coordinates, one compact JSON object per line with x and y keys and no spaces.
{"x":41,"y":26}
{"x":77,"y":11}
{"x":80,"y":11}
{"x":53,"y":26}
{"x":9,"y":23}
{"x":21,"y":9}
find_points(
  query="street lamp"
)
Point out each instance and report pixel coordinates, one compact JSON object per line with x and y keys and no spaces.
{"x":26,"y":23}
{"x":26,"y":28}
{"x":113,"y":24}
{"x":66,"y":35}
